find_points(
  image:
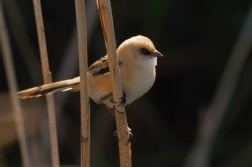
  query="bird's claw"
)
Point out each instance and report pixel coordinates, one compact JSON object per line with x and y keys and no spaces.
{"x":121,"y":104}
{"x":113,"y":109}
{"x":129,"y":134}
{"x":123,"y":100}
{"x":112,"y":100}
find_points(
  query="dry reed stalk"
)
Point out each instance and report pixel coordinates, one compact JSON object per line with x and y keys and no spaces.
{"x":22,"y":40}
{"x":85,"y":116}
{"x":105,"y":11}
{"x":69,"y":62}
{"x":47,"y":79}
{"x":12,"y":83}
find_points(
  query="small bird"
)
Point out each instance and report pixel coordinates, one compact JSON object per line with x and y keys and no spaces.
{"x":137,"y":58}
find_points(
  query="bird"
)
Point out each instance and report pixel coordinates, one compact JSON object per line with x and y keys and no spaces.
{"x":137,"y":60}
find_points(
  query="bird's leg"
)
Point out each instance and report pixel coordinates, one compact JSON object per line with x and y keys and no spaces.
{"x":121,"y":104}
{"x":112,"y":100}
{"x":129,"y":134}
{"x":123,"y":100}
{"x":112,"y":111}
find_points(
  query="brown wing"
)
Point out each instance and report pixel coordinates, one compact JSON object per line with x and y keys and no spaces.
{"x":99,"y":63}
{"x":100,"y":67}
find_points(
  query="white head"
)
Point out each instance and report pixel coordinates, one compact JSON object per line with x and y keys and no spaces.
{"x":140,"y":50}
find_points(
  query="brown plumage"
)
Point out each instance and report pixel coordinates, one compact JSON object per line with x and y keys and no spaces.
{"x":137,"y":60}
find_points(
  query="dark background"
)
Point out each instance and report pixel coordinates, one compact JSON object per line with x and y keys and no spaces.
{"x":196,"y":39}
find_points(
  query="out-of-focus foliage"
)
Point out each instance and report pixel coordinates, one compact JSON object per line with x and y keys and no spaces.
{"x":196,"y":39}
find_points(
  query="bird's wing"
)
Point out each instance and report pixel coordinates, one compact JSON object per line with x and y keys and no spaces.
{"x":100,"y":67}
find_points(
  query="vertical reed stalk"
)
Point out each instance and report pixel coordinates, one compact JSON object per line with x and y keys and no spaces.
{"x":85,"y":116}
{"x":105,"y":11}
{"x":12,"y":83}
{"x":47,"y":79}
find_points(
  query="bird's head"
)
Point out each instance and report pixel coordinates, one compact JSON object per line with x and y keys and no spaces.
{"x":139,"y":50}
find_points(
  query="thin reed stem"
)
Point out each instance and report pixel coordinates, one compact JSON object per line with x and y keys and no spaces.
{"x":12,"y":83}
{"x":105,"y":11}
{"x":70,"y":60}
{"x":47,"y":79}
{"x":85,"y":116}
{"x":22,"y":40}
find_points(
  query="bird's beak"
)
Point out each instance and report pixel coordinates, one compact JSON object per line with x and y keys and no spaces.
{"x":156,"y":54}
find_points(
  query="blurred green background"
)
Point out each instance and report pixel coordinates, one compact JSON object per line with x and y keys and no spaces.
{"x":196,"y":39}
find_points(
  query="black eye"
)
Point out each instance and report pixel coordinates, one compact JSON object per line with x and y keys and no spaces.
{"x":144,"y":51}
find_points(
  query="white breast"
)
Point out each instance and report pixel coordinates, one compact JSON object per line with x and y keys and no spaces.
{"x":138,"y":83}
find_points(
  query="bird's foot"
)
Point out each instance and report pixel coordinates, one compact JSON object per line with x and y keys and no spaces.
{"x":122,"y":102}
{"x":129,"y":134}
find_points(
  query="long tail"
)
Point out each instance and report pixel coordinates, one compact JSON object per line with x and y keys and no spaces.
{"x":70,"y":84}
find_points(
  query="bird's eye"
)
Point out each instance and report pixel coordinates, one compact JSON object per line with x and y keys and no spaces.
{"x":144,"y":51}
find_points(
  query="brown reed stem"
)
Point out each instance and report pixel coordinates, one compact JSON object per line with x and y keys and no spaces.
{"x":12,"y":83}
{"x":85,"y":116}
{"x":47,"y":79}
{"x":105,"y":11}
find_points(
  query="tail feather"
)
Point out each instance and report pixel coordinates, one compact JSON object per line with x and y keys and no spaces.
{"x":49,"y":88}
